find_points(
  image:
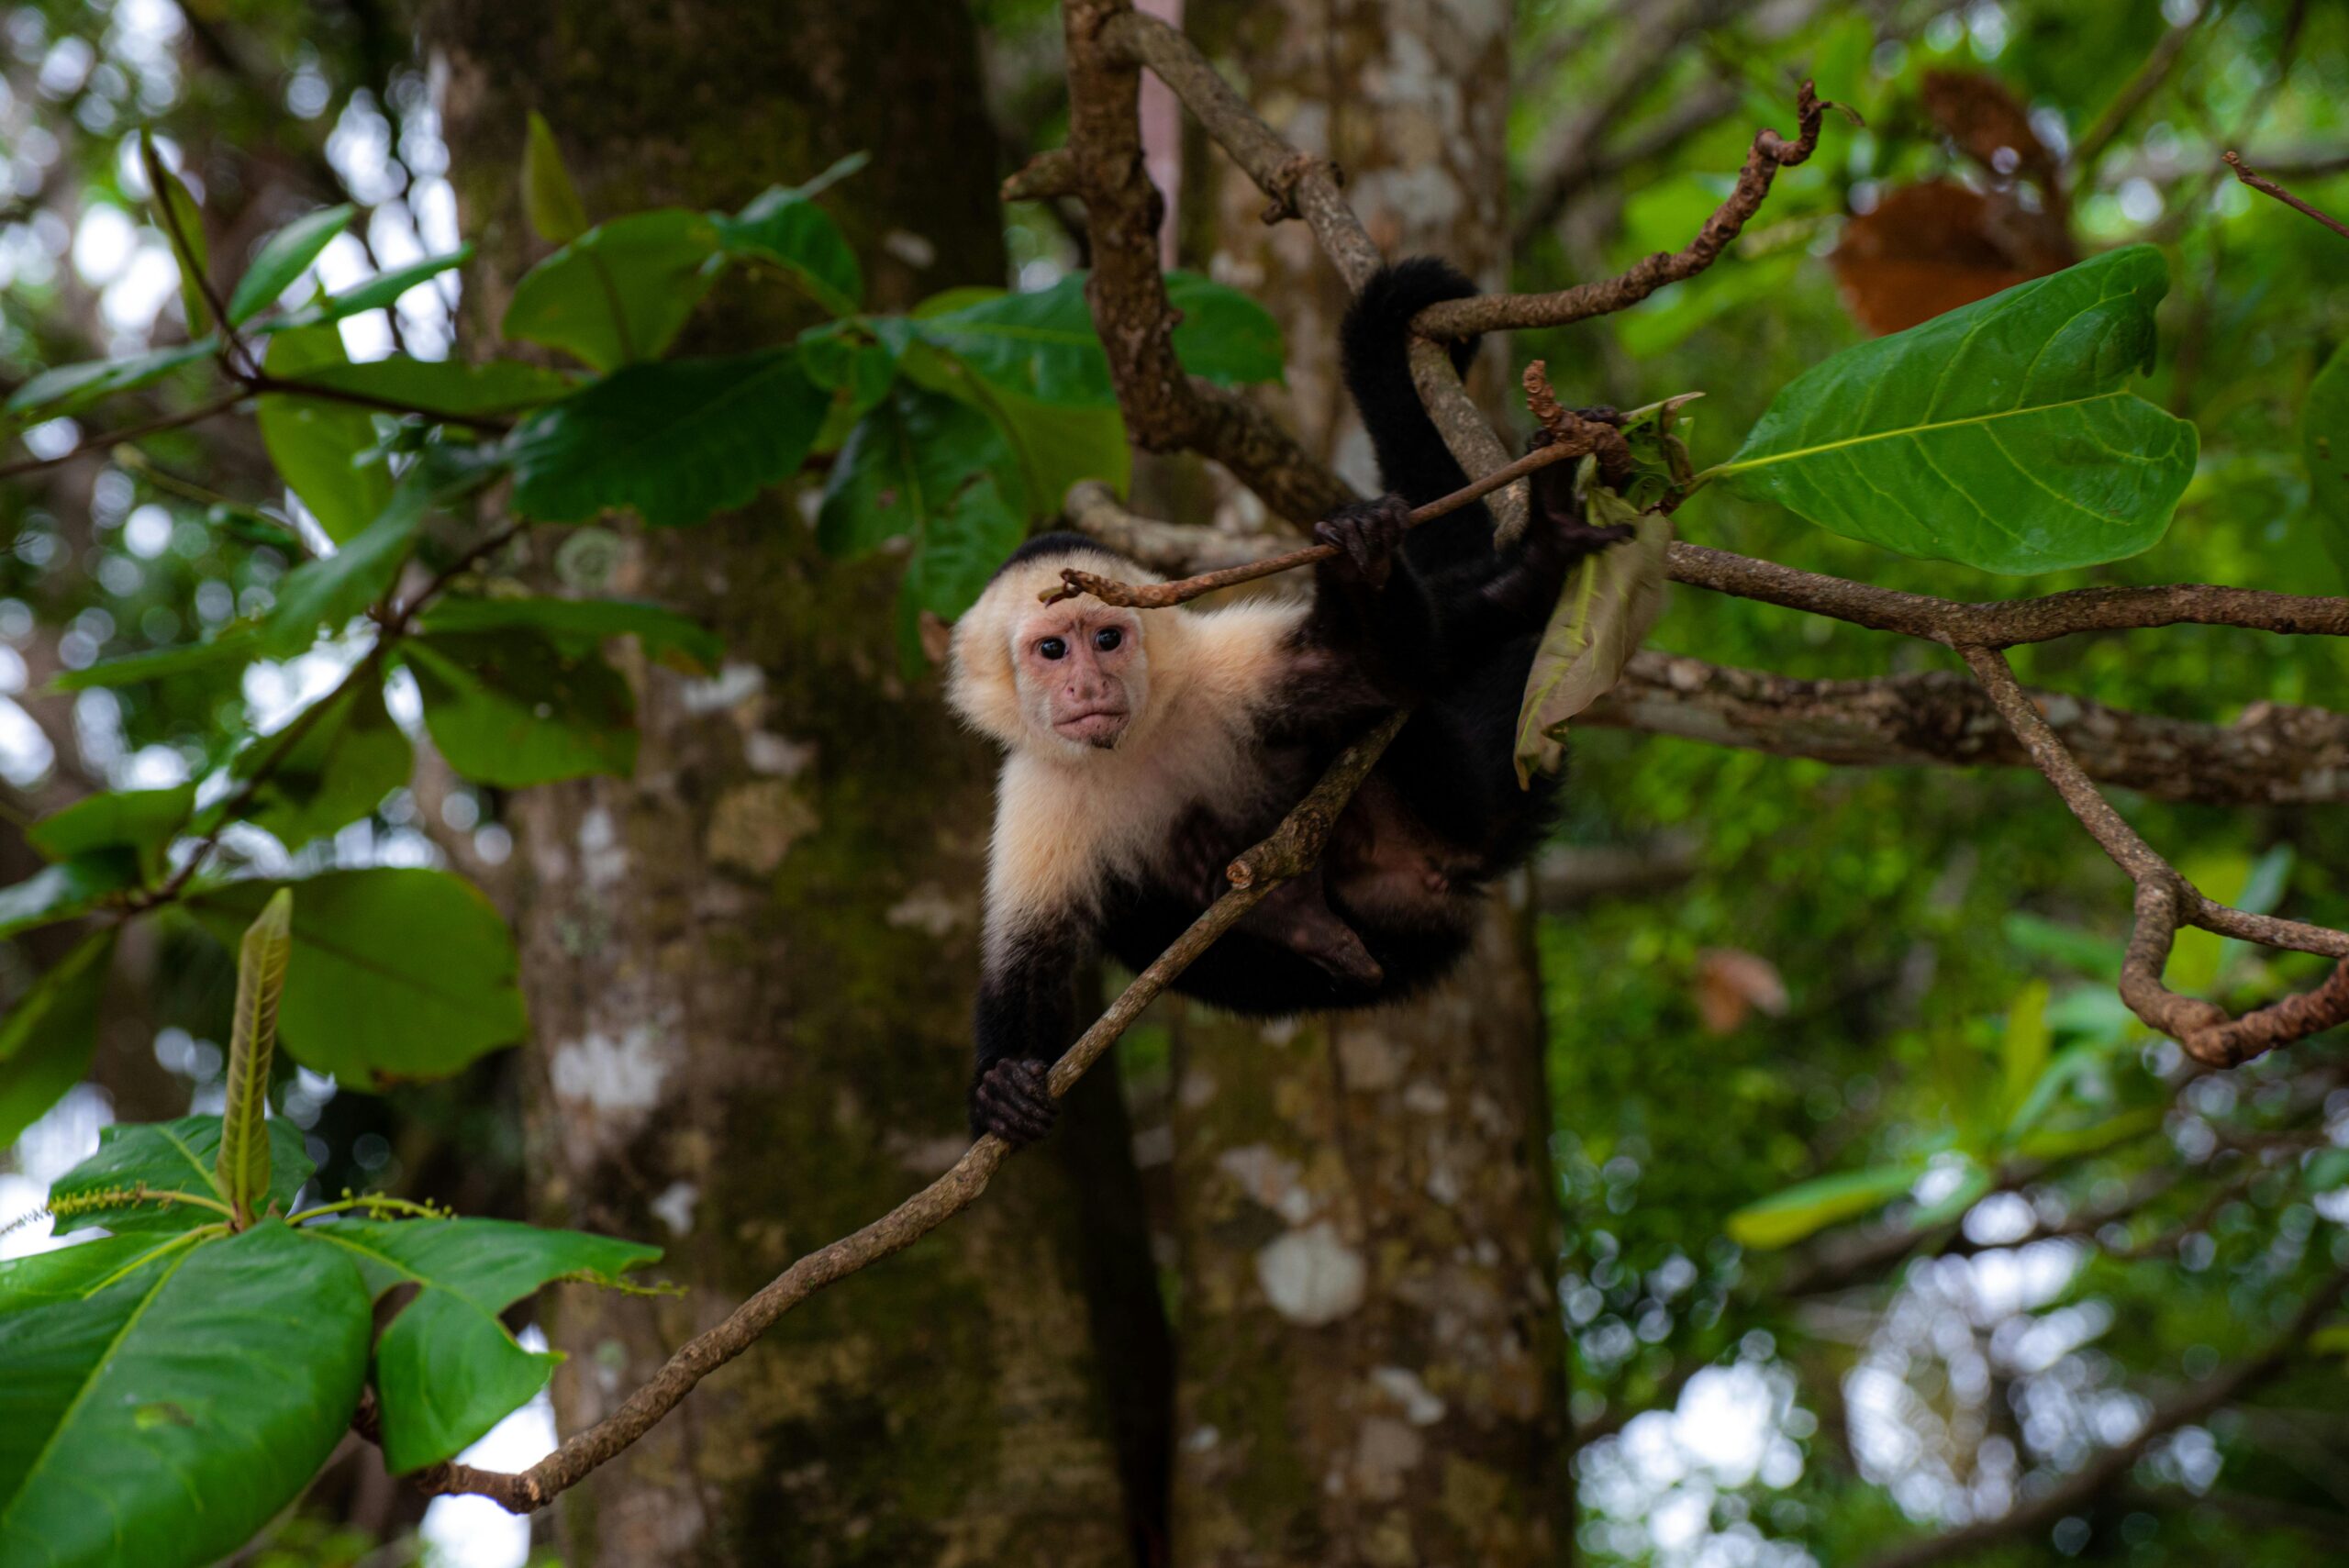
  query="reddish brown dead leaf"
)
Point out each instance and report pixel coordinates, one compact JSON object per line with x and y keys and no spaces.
{"x":1988,"y":125}
{"x":1931,"y":247}
{"x":1732,"y":983}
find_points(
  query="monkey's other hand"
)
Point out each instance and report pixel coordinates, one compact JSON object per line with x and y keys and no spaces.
{"x":1367,"y":534}
{"x":1011,"y":1101}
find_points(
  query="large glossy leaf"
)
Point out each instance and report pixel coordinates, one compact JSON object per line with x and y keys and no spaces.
{"x":282,"y":259}
{"x":786,"y":229}
{"x":47,"y":1039}
{"x":315,"y":444}
{"x":662,"y":631}
{"x":2324,"y":447}
{"x":336,"y":768}
{"x":71,"y":1274}
{"x":69,"y":389}
{"x":398,"y":974}
{"x":163,"y":1420}
{"x":1782,"y":1219}
{"x":63,"y":891}
{"x":550,"y":200}
{"x":1610,"y":602}
{"x":446,"y":1368}
{"x":675,"y":440}
{"x":1041,"y":345}
{"x":453,"y":388}
{"x":516,"y":707}
{"x":168,"y":1157}
{"x":142,"y":820}
{"x":620,"y":292}
{"x":241,"y":1171}
{"x":2001,"y":435}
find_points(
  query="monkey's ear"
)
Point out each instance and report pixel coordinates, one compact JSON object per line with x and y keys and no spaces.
{"x":937,"y":635}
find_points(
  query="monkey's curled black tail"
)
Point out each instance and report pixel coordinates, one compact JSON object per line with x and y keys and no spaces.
{"x":1374,"y":350}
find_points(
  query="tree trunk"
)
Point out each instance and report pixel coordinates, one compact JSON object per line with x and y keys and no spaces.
{"x":1372,"y":1366}
{"x":749,"y":965}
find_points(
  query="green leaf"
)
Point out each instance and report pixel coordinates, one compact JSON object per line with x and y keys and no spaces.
{"x":856,"y":372}
{"x":2065,"y":945}
{"x":168,"y":1157}
{"x":2000,"y":435}
{"x":74,"y":1273}
{"x":954,"y":558}
{"x":63,"y":891}
{"x":282,"y":259}
{"x":2023,"y":1050}
{"x":241,"y":1171}
{"x":1053,"y":447}
{"x":905,"y":470}
{"x":1786,"y":1217}
{"x":315,"y":444}
{"x":662,"y":631}
{"x":1042,"y":344}
{"x":238,"y":643}
{"x":335,"y":768}
{"x":379,"y":293}
{"x":455,"y":388}
{"x":176,"y":216}
{"x":676,"y":440}
{"x":2324,"y":447}
{"x":162,"y":1421}
{"x":518,"y":707}
{"x":397,"y":974}
{"x":329,"y":591}
{"x":783,"y":227}
{"x":48,"y":1037}
{"x":620,"y":292}
{"x":2071,"y":1143}
{"x":142,"y":820}
{"x":446,"y":1368}
{"x":548,"y":198}
{"x":69,"y":389}
{"x":1224,"y":335}
{"x":1610,"y":602}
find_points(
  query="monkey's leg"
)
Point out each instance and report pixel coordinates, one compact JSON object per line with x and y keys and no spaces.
{"x":1296,"y":916}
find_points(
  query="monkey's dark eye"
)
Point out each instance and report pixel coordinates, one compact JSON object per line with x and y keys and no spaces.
{"x":1107,"y":637}
{"x":1053,"y":648}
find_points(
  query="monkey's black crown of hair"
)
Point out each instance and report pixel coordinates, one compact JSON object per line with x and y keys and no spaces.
{"x":1059,"y":542}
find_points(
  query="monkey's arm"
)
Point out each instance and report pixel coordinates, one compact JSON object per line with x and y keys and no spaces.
{"x":1024,"y":1020}
{"x":1372,"y":638}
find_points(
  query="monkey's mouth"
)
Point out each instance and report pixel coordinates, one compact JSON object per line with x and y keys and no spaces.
{"x":1094,"y":726}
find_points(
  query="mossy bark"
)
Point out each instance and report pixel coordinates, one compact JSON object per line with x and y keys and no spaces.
{"x":750,"y":964}
{"x":1372,"y":1365}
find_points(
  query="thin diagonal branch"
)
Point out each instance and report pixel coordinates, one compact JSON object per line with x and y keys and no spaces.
{"x":1288,"y":852}
{"x":107,"y":440}
{"x":2266,"y":186}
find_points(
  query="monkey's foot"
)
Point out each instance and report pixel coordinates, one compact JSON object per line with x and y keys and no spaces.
{"x":1367,"y":534}
{"x":1010,"y":1100}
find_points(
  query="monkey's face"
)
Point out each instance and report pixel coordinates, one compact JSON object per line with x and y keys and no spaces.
{"x":1083,"y":674}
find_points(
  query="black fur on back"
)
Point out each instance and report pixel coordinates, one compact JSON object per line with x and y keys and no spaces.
{"x":1374,"y":350}
{"x":1060,"y":542}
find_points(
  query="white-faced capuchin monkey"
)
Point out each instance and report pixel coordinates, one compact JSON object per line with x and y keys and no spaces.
{"x":1148,"y":748}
